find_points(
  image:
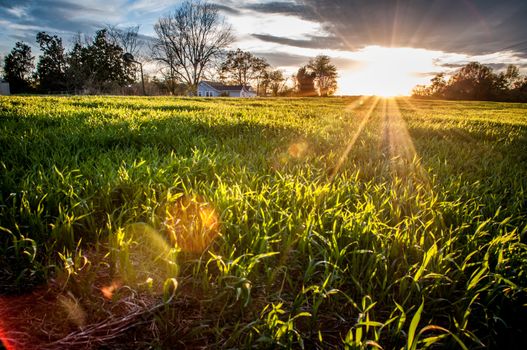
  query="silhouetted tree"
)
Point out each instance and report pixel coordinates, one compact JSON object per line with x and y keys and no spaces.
{"x":521,"y":90}
{"x":325,"y":74}
{"x":305,"y":82}
{"x":508,"y":80}
{"x":276,"y":82}
{"x":51,"y":66}
{"x":189,"y":39}
{"x":2,"y":67}
{"x":477,"y":82}
{"x":472,"y":82}
{"x":103,"y":64}
{"x":420,"y":91}
{"x":76,"y":72}
{"x":438,"y":86}
{"x":18,"y":65}
{"x":243,"y":68}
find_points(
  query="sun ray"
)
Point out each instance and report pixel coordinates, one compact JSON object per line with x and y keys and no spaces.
{"x":398,"y":145}
{"x":354,"y":137}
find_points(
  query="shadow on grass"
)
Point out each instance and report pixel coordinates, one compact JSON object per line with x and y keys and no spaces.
{"x":137,"y":106}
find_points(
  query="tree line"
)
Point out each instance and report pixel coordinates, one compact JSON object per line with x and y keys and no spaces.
{"x":190,"y":46}
{"x":476,"y":81}
{"x":95,"y":65}
{"x":317,"y":78}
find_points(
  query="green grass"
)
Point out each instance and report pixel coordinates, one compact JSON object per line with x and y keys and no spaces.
{"x":339,"y":223}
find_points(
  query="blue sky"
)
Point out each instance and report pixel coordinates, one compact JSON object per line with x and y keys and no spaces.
{"x":373,"y":43}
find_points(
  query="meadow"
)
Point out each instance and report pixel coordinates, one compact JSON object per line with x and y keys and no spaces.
{"x":358,"y":223}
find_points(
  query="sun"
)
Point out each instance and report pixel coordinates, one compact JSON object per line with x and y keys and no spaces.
{"x":381,"y":80}
{"x":388,"y":81}
{"x":386,"y":72}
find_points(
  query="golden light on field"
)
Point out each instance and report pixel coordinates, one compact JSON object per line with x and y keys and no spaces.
{"x":143,"y":253}
{"x":191,"y":223}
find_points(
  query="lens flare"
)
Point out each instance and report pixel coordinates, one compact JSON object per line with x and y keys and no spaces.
{"x":297,"y":149}
{"x":144,"y":253}
{"x":4,"y":340}
{"x":108,"y":291}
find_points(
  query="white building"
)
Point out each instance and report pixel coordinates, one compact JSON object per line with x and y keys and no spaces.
{"x":213,"y":89}
{"x":4,"y":88}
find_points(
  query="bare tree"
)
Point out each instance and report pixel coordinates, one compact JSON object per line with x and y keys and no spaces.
{"x":163,"y":54}
{"x":242,"y":67}
{"x":189,"y":39}
{"x":127,"y":38}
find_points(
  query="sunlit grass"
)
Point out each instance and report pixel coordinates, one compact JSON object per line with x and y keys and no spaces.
{"x":322,"y":223}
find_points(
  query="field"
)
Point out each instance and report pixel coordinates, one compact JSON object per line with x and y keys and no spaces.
{"x":268,"y":223}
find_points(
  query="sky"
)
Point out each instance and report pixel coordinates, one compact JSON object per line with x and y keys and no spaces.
{"x":379,"y":46}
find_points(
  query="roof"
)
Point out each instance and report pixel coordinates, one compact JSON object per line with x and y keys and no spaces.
{"x":223,"y":87}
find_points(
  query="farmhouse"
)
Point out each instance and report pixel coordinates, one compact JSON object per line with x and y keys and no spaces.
{"x":4,"y":88}
{"x":214,"y":89}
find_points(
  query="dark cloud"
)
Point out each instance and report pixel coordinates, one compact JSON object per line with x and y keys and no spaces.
{"x":62,"y":16}
{"x":227,"y":9}
{"x":10,"y":3}
{"x":469,"y":26}
{"x":23,"y":19}
{"x":496,"y":66}
{"x":313,"y":42}
{"x":284,"y":8}
{"x":472,"y":27}
{"x":425,"y":74}
{"x":284,"y":59}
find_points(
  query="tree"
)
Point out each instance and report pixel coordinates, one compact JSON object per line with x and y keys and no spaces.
{"x":477,"y":82}
{"x":51,"y":66}
{"x":438,"y":86}
{"x":242,"y":67}
{"x":420,"y":91}
{"x":276,"y":82}
{"x":103,"y":64}
{"x":163,"y":54}
{"x":127,"y":38}
{"x":472,"y":82}
{"x":189,"y":39}
{"x":76,"y":71}
{"x":325,"y":74}
{"x":2,"y":75}
{"x":305,"y":82}
{"x":18,"y":65}
{"x":510,"y":79}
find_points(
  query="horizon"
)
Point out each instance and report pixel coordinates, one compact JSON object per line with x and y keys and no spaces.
{"x":381,"y":48}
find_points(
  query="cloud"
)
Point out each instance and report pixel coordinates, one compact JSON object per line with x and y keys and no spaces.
{"x":294,"y":61}
{"x":471,"y":27}
{"x":227,"y":9}
{"x":312,"y":41}
{"x":25,"y":18}
{"x":149,"y":6}
{"x":287,"y":32}
{"x":283,"y":59}
{"x":283,"y":8}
